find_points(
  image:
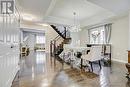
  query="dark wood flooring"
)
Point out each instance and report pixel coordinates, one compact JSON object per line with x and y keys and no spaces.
{"x":41,"y":70}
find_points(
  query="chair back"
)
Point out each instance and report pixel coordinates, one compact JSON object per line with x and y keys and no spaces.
{"x":24,"y":49}
{"x":95,"y":53}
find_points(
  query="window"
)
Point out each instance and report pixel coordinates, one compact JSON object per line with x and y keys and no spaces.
{"x":40,"y":39}
{"x":97,"y":35}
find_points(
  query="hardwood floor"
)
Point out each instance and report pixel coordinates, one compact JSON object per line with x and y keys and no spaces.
{"x":40,"y":70}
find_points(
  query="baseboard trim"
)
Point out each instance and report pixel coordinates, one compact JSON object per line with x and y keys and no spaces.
{"x":121,"y":61}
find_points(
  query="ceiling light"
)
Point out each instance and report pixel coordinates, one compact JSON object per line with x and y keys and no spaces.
{"x":76,"y":25}
{"x":28,"y":17}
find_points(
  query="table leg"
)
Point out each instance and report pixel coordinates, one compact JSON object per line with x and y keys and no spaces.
{"x":110,"y":59}
{"x":81,"y":64}
{"x":100,"y":64}
{"x":91,"y":66}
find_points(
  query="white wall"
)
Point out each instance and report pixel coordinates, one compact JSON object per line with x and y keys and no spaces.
{"x":119,"y":39}
{"x":129,"y":31}
{"x":50,"y":35}
{"x":75,"y":40}
{"x":84,"y":37}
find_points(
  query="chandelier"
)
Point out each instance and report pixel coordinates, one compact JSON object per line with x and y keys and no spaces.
{"x":76,"y":26}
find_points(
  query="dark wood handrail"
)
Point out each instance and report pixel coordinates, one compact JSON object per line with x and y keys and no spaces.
{"x":57,"y":36}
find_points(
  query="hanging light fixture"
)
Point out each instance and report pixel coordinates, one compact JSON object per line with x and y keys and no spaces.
{"x":76,"y":25}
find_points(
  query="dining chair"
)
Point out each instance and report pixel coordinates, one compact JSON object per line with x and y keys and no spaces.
{"x":95,"y":55}
{"x":24,"y":51}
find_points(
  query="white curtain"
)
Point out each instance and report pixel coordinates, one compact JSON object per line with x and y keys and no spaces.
{"x":108,"y":28}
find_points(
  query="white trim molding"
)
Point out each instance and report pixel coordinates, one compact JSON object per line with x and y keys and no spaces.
{"x":121,"y":61}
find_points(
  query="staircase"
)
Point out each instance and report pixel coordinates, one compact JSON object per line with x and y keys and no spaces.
{"x":57,"y":44}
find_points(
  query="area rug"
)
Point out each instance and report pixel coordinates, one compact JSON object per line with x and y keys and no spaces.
{"x":78,"y":76}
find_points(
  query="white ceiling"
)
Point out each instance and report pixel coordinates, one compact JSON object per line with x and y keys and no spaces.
{"x":36,"y":8}
{"x":61,"y":11}
{"x":116,"y":6}
{"x":65,"y":8}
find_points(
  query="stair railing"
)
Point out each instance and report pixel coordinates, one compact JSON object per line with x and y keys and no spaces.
{"x":53,"y":44}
